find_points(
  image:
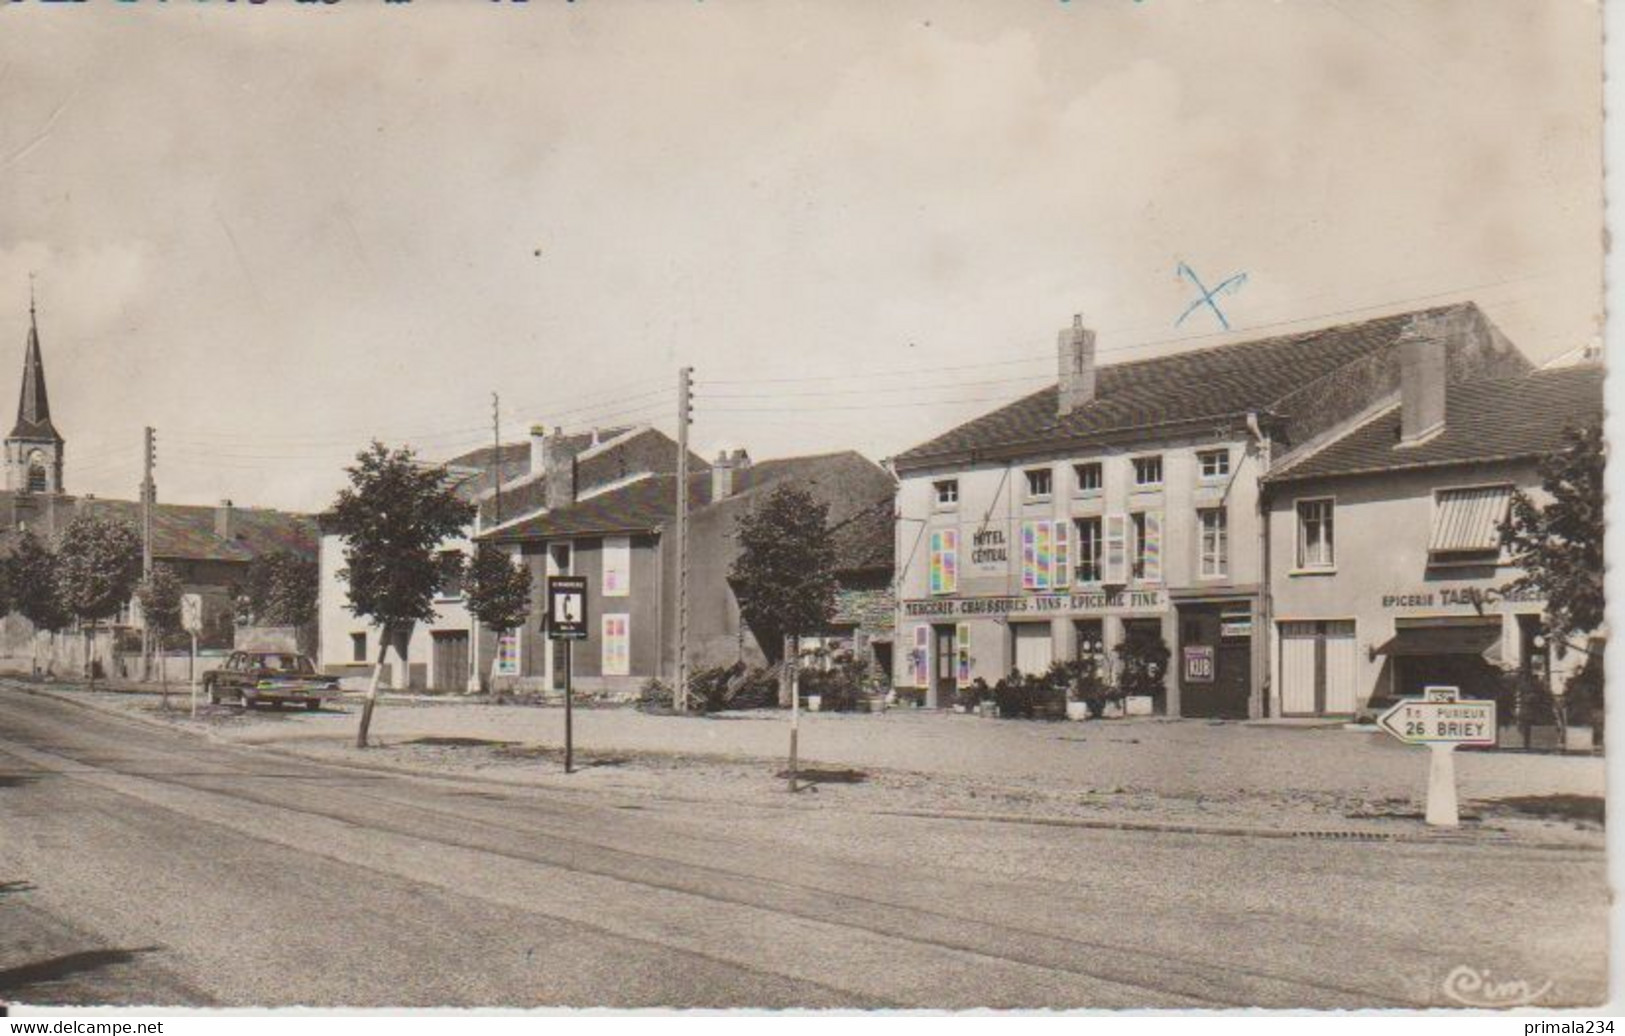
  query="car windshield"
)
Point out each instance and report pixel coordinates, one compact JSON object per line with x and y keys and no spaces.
{"x":285,"y":664}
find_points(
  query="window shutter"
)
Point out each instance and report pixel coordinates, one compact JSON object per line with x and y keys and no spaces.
{"x":922,"y":656}
{"x":1029,"y":555}
{"x":1153,"y":546}
{"x":1116,"y":569}
{"x":1063,"y":556}
{"x":962,"y":653}
{"x":1044,"y":555}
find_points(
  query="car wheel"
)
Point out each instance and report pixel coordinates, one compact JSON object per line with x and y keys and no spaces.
{"x":213,"y":692}
{"x":248,"y":703}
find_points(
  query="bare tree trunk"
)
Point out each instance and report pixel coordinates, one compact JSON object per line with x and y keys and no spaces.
{"x":372,"y":693}
{"x":163,"y":668}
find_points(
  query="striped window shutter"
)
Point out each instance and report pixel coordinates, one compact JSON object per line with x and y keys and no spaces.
{"x":922,"y":656}
{"x":1153,"y":546}
{"x":962,"y":653}
{"x":1116,"y":526}
{"x":1063,"y":556}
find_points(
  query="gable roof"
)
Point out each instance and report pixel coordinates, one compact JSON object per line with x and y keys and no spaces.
{"x":1189,"y":388}
{"x":186,"y":532}
{"x":1485,"y":421}
{"x":865,"y":541}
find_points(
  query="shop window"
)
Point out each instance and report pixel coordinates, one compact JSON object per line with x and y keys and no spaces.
{"x":1040,"y":483}
{"x":1214,"y":465}
{"x":946,"y":493}
{"x":1091,"y":550}
{"x":1215,"y":545}
{"x":1316,"y":534}
{"x":1148,"y":472}
{"x":1089,"y":478}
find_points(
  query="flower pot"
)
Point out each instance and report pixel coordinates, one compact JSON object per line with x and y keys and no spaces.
{"x":814,"y":702}
{"x":959,"y":709}
{"x":1113,"y":710}
{"x":1077,"y":710}
{"x":1139,"y":705}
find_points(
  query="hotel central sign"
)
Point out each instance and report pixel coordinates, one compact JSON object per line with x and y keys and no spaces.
{"x":1085,"y":601}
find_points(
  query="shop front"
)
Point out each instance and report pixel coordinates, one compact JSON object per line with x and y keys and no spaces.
{"x":1215,"y":657}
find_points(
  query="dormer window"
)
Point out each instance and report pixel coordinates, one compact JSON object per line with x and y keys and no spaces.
{"x":1040,"y":483}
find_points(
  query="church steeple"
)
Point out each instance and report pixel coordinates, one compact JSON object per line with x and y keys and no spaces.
{"x":34,"y":447}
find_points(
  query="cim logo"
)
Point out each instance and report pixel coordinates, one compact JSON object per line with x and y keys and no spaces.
{"x":1474,"y":987}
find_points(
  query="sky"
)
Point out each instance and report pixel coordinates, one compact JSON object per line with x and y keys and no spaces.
{"x":276,"y":232}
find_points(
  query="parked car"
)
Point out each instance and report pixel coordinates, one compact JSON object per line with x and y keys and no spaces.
{"x":269,"y":677}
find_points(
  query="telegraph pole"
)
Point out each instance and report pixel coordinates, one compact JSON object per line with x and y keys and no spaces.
{"x":149,"y":493}
{"x":496,"y":456}
{"x":685,"y":415}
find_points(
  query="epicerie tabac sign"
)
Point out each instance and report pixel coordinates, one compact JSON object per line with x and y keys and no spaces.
{"x":1082,"y":601}
{"x":1458,"y":597}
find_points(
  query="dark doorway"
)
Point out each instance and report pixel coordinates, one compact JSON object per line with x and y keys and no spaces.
{"x":450,"y":660}
{"x":945,"y":677}
{"x":1215,"y":671}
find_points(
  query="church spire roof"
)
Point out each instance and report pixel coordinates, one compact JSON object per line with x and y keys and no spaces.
{"x":33,"y":406}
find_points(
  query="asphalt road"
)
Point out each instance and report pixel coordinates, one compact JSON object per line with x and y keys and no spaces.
{"x":141,"y":865}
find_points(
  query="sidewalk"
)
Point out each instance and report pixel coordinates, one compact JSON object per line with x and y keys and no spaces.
{"x":1142,"y":770}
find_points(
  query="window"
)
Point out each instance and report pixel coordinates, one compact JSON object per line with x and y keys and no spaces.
{"x":1091,"y":551}
{"x":617,"y":646}
{"x":358,"y":647}
{"x":507,"y":662}
{"x":1316,"y":539}
{"x":944,"y":561}
{"x":1214,"y":465}
{"x":1467,"y":524}
{"x":1148,"y":471}
{"x":1089,"y":478}
{"x":1040,"y":483}
{"x":450,"y":584}
{"x":617,"y":566}
{"x":947,"y":492}
{"x":1145,"y":556}
{"x":1215,"y":552}
{"x":38,"y":481}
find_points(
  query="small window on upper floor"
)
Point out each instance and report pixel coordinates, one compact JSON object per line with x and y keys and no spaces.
{"x":946,"y":492}
{"x":1088,"y":478}
{"x":1213,"y":465}
{"x":1148,"y":472}
{"x":1040,"y":483}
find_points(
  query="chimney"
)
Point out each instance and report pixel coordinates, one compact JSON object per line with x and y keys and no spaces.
{"x":722,"y":476}
{"x":559,"y":465}
{"x":1076,"y":353}
{"x":225,"y":524}
{"x":538,"y":448}
{"x":1421,"y":385}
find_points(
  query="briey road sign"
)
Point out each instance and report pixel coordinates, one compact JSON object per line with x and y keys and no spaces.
{"x":1417,"y":721}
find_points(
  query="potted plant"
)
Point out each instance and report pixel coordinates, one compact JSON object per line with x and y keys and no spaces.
{"x":1141,"y":665}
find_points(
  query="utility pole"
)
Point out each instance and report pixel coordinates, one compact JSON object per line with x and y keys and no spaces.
{"x":496,"y":456}
{"x":149,"y":494}
{"x":685,"y":415}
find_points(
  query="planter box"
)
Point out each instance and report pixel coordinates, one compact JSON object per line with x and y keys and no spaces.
{"x":959,"y":709}
{"x":1580,"y":739}
{"x":1077,"y":710}
{"x":814,"y":701}
{"x":1139,"y":705}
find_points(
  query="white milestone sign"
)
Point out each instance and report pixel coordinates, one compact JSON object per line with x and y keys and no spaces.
{"x":192,"y":613}
{"x":1441,"y":719}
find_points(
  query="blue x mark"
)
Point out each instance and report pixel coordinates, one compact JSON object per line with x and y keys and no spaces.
{"x":1228,"y":286}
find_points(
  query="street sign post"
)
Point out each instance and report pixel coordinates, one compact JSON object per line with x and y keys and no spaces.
{"x":1441,"y":719}
{"x":192,"y":623}
{"x":566,"y":622}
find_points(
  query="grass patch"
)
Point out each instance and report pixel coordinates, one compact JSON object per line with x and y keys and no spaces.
{"x":826,"y":776}
{"x":1579,"y":809}
{"x":459,"y":742}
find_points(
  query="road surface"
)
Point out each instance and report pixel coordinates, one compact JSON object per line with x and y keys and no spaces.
{"x":143,"y":865}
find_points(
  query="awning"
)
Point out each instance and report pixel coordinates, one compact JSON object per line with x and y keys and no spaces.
{"x":1448,"y":637}
{"x":1469,"y":519}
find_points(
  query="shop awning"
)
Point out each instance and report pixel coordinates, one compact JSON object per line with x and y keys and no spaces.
{"x":1446,"y":638}
{"x":1469,"y":519}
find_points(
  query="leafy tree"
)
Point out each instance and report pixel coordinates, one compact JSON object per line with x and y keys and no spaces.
{"x":282,"y":589}
{"x":784,"y":576}
{"x":32,"y":577}
{"x":393,"y":516}
{"x":160,"y":597}
{"x":98,"y":565}
{"x":497,"y":590}
{"x":1559,"y":548}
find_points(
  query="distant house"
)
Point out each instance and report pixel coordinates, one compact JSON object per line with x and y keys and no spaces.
{"x":209,"y":548}
{"x":507,"y":483}
{"x":619,"y":536}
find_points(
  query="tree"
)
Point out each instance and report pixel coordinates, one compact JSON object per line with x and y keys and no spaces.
{"x":282,"y":589}
{"x":1559,"y":548}
{"x":32,"y":577}
{"x":784,"y":576}
{"x":393,"y":516}
{"x":497,"y":591}
{"x":98,"y":565}
{"x":160,"y":597}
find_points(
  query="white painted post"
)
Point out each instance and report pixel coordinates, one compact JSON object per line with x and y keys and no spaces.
{"x":193,"y":673}
{"x":1441,"y":809}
